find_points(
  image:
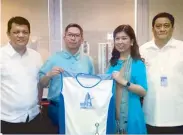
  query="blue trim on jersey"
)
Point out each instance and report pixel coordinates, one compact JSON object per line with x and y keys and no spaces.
{"x":88,"y":76}
{"x":61,"y":80}
{"x":102,"y":76}
{"x":110,"y":129}
{"x":111,"y":125}
{"x":61,"y":110}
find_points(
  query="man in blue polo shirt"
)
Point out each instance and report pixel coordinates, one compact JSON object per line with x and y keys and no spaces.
{"x":71,"y":60}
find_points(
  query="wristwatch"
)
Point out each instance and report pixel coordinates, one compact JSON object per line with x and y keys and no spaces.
{"x":128,"y":84}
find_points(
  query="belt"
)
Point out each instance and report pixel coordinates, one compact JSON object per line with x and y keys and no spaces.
{"x":54,"y":103}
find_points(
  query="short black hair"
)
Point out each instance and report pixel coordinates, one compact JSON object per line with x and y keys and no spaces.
{"x":18,"y":20}
{"x":74,"y":25}
{"x":164,"y":15}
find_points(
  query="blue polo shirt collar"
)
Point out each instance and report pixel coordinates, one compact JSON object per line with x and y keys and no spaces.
{"x":68,"y":55}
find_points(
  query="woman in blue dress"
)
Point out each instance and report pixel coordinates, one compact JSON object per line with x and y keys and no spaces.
{"x":129,"y":72}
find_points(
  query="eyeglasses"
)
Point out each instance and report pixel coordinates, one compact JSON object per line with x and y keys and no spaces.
{"x":70,"y":35}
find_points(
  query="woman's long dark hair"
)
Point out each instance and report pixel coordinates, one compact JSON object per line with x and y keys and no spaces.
{"x":135,"y":54}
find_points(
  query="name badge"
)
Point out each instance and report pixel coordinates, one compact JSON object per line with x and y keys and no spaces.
{"x":164,"y":81}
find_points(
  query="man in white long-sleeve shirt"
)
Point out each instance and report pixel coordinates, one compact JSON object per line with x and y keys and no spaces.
{"x":163,"y":103}
{"x":19,"y":66}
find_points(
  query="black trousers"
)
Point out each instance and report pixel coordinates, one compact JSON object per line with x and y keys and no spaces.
{"x":164,"y":130}
{"x":39,"y":125}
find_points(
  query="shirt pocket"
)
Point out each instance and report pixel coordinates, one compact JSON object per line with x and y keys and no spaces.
{"x":176,"y":64}
{"x":8,"y":70}
{"x":32,"y":71}
{"x":178,"y":67}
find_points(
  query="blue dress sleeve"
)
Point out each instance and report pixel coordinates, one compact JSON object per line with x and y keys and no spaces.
{"x":114,"y":68}
{"x":141,"y":77}
{"x":109,"y":70}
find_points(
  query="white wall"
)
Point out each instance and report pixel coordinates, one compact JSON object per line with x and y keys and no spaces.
{"x":98,"y":17}
{"x":175,"y":7}
{"x":36,"y":11}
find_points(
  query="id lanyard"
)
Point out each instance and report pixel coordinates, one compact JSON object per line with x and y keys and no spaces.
{"x":163,"y":77}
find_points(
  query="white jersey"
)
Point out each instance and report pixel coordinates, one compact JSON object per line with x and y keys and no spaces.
{"x":86,"y":101}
